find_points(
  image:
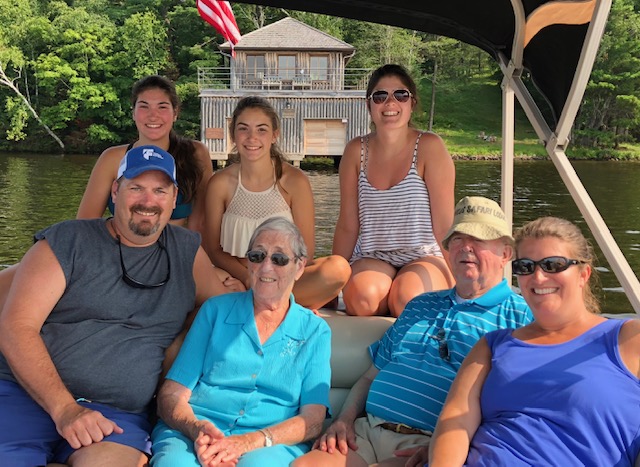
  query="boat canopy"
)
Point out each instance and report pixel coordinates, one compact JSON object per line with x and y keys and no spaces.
{"x":554,"y":43}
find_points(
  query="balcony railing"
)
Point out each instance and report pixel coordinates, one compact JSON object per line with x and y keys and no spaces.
{"x":353,"y":79}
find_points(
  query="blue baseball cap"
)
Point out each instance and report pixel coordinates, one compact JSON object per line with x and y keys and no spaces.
{"x":144,"y":158}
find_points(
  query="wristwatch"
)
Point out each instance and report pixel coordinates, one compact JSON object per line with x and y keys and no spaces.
{"x":268,"y":440}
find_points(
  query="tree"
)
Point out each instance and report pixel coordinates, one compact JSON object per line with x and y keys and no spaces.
{"x":439,"y":50}
{"x":144,"y":43}
{"x":610,"y":112}
{"x":14,"y":21}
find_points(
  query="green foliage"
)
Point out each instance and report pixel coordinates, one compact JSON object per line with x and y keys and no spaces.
{"x":610,"y":112}
{"x":73,"y":62}
{"x":100,"y":134}
{"x":188,"y":124}
{"x":329,"y":24}
{"x":144,"y":42}
{"x":18,"y":115}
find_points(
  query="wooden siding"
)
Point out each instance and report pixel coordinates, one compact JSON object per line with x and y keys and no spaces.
{"x":293,"y":111}
{"x":324,"y":137}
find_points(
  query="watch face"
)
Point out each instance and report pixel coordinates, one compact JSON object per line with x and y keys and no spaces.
{"x":268,"y":442}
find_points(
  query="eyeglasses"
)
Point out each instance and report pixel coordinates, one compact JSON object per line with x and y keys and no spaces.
{"x":279,"y":259}
{"x":400,"y":95}
{"x":443,"y":348}
{"x":550,"y":264}
{"x":130,"y":281}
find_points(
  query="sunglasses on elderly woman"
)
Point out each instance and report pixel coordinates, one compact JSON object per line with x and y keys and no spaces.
{"x":278,"y":259}
{"x":550,"y":264}
{"x":400,"y":95}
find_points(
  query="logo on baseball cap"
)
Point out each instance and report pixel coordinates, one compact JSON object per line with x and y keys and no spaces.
{"x":144,"y":158}
{"x":479,"y":217}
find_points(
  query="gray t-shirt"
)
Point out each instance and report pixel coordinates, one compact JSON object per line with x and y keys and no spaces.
{"x":106,"y":338}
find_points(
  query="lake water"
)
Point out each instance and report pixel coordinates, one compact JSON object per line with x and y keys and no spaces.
{"x":39,"y":190}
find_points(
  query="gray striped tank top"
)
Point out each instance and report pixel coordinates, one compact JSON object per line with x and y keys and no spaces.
{"x":395,"y":224}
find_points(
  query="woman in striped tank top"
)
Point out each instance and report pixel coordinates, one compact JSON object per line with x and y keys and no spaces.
{"x":396,"y":203}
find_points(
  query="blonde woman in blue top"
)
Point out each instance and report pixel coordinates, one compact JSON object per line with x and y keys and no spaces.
{"x":563,"y":390}
{"x":396,"y":203}
{"x":251,"y":382}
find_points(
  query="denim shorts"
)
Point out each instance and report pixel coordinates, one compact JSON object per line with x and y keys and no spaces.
{"x":28,"y":436}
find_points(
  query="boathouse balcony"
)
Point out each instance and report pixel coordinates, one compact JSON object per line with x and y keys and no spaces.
{"x":316,"y":81}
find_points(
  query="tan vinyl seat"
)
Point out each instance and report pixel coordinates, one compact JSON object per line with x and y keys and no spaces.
{"x":350,"y":339}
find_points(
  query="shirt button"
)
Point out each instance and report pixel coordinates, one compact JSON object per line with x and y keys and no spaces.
{"x":242,"y":412}
{"x":253,"y":376}
{"x":259,"y":352}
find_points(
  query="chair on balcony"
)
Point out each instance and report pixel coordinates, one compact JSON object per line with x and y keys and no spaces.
{"x":253,"y":81}
{"x":271,"y":81}
{"x":301,"y":82}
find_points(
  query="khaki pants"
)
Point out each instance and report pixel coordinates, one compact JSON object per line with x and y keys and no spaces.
{"x":376,"y":444}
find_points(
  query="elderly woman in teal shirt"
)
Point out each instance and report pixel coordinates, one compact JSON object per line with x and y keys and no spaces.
{"x":251,"y":382}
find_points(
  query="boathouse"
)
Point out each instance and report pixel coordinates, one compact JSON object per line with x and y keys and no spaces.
{"x":303,"y":72}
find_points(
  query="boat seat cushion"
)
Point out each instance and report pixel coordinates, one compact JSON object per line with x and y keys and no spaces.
{"x":350,"y":339}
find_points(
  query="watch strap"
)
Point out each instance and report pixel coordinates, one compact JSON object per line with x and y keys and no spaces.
{"x":268,"y":439}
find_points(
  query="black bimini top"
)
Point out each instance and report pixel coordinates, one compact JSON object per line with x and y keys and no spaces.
{"x":556,"y":31}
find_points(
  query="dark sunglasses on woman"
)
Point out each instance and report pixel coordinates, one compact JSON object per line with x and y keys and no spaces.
{"x":380,"y":97}
{"x":258,"y":256}
{"x":550,"y":264}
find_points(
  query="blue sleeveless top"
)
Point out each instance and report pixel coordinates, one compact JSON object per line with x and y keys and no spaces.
{"x":569,"y":404}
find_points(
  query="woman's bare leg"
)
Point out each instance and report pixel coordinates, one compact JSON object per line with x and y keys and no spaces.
{"x":367,"y":291}
{"x":419,"y":276}
{"x":322,"y":281}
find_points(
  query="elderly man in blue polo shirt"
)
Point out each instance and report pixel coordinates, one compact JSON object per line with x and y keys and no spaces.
{"x":416,"y":360}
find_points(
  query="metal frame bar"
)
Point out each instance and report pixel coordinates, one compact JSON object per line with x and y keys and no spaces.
{"x":555,"y":143}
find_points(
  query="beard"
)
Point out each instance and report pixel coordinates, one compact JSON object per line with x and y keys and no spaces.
{"x":144,"y":228}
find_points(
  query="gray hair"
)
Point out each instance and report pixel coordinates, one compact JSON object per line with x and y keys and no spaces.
{"x":285,"y":226}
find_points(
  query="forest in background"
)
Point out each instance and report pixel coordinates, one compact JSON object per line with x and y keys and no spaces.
{"x":66,"y":70}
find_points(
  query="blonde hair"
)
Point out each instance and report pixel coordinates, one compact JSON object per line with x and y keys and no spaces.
{"x":580,"y":248}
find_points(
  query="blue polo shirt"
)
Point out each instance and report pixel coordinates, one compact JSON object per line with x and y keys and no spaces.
{"x":241,"y":385}
{"x":419,"y":356}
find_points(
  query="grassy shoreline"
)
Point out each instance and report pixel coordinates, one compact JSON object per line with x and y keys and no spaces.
{"x":326,"y":163}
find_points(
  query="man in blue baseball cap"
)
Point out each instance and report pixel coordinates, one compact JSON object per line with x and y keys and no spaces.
{"x":94,"y":307}
{"x":144,"y":158}
{"x":145,"y":210}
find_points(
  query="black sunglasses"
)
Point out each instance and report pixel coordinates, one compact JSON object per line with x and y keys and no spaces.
{"x":550,"y":264}
{"x":401,"y":95}
{"x":258,"y":256}
{"x":443,"y":348}
{"x":130,"y":281}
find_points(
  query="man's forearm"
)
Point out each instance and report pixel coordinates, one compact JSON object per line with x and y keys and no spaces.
{"x":355,"y":402}
{"x":32,"y":366}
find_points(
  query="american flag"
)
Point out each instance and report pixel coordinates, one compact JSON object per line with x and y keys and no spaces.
{"x":220,"y":16}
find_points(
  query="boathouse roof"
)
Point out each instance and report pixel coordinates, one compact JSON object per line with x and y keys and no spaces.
{"x":290,"y":34}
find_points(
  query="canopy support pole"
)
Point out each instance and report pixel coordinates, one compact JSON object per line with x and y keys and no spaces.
{"x":556,"y":142}
{"x":508,"y":130}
